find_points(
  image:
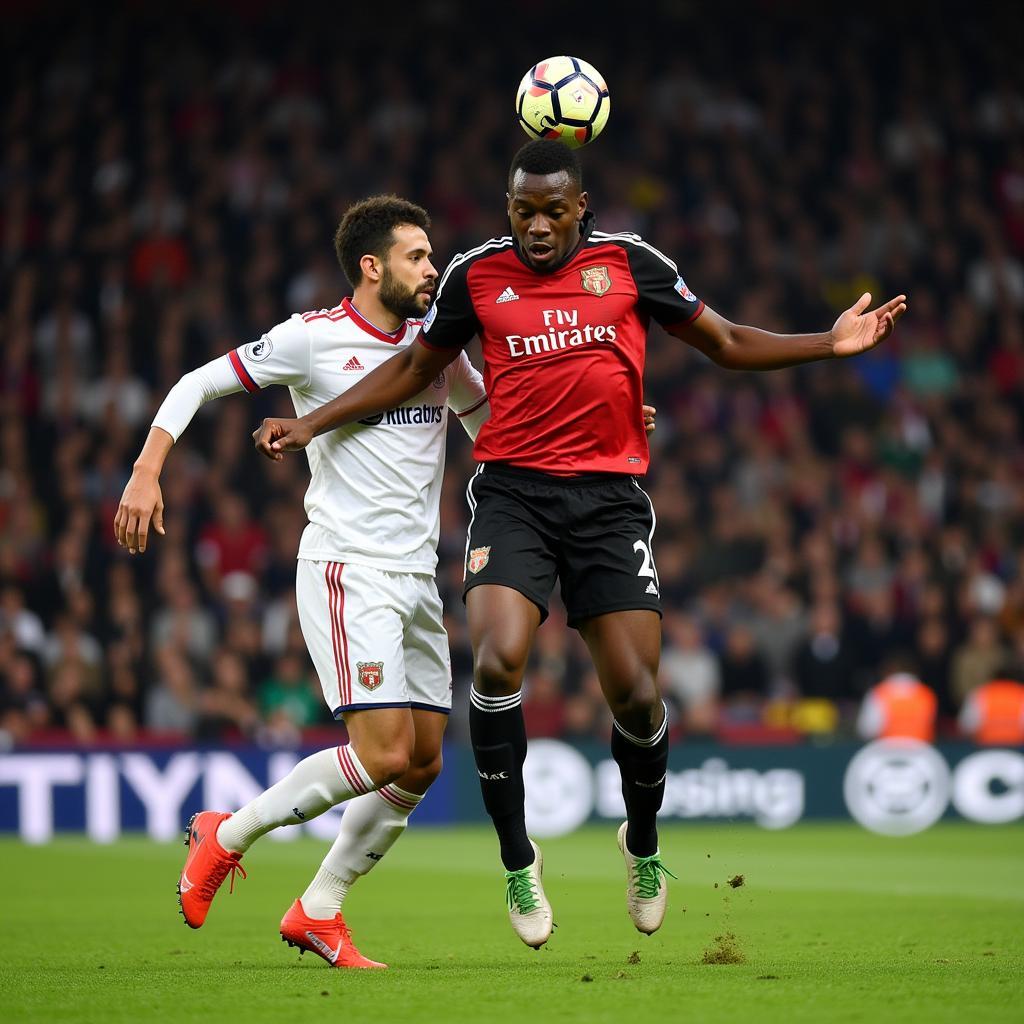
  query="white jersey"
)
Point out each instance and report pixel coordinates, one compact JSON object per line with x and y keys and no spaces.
{"x":375,"y":491}
{"x":374,"y":495}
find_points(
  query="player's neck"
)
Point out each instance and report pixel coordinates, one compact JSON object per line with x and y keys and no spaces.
{"x":369,"y":307}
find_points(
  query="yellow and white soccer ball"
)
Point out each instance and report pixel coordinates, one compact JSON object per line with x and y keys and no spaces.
{"x":563,"y":98}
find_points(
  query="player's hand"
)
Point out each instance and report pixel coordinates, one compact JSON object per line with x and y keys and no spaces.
{"x":856,"y":331}
{"x":142,"y":504}
{"x":276,"y":436}
{"x":649,"y":412}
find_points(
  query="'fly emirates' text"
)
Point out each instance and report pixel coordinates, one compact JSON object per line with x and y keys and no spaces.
{"x":555,"y":338}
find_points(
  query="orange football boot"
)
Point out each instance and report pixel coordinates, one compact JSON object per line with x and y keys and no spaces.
{"x":206,"y":867}
{"x":329,"y":939}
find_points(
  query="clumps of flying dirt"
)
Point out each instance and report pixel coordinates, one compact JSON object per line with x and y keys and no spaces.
{"x":724,"y":950}
{"x":634,"y":957}
{"x":737,"y":880}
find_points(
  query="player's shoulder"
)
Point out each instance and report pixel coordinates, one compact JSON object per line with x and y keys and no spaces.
{"x":322,"y":316}
{"x":326,"y":325}
{"x":463,"y":262}
{"x":636,"y":249}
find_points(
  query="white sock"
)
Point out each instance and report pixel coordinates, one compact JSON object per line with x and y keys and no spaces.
{"x":313,"y":786}
{"x":369,"y":828}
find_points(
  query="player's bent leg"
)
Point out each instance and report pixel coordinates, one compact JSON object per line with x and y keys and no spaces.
{"x":317,"y":783}
{"x":370,"y":826}
{"x":216,"y":841}
{"x":502,"y":624}
{"x":625,"y":647}
{"x":373,"y":823}
{"x":314,"y":785}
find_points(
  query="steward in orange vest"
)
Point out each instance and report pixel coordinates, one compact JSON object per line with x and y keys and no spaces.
{"x":899,"y":707}
{"x":993,"y":714}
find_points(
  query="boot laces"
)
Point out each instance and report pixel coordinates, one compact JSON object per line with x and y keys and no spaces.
{"x":217,"y":875}
{"x":649,"y":872}
{"x":520,"y":891}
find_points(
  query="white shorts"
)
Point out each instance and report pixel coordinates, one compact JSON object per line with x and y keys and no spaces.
{"x":376,"y":638}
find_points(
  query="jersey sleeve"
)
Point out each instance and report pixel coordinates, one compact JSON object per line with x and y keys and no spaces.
{"x":201,"y":385}
{"x":451,"y":321}
{"x":282,"y":356}
{"x":467,"y":396}
{"x":662,"y":292}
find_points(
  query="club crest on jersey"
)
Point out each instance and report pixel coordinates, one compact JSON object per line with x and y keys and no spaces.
{"x":259,"y":350}
{"x":439,"y":381}
{"x":595,"y":280}
{"x":371,"y":674}
{"x":478,"y":558}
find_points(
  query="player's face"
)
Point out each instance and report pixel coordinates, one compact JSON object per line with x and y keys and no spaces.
{"x":545,"y":211}
{"x":408,"y":278}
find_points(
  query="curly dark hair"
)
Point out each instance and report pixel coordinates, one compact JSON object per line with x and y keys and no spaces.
{"x":546,"y":156}
{"x":368,"y":227}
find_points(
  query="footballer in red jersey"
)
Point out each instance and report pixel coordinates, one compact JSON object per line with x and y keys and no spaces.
{"x":562,"y":312}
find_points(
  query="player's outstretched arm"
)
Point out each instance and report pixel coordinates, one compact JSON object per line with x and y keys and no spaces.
{"x":405,"y":374}
{"x":749,"y":348}
{"x":142,"y":503}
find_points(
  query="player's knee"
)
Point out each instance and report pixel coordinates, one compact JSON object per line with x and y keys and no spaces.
{"x":422,"y":773}
{"x":386,"y":765}
{"x":637,"y":708}
{"x":497,"y":670}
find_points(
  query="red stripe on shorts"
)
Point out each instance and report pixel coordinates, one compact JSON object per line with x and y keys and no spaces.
{"x":339,"y":637}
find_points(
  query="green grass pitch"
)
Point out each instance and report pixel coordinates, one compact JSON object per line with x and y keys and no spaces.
{"x":831,"y":924}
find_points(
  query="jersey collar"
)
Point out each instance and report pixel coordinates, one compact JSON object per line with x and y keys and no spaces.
{"x":586,"y":226}
{"x":363,"y":324}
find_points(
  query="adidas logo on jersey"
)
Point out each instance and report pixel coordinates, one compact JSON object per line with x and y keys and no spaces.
{"x":652,"y":589}
{"x":353,"y":364}
{"x":507,"y":295}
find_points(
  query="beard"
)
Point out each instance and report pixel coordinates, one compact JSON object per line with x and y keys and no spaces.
{"x":398,"y":299}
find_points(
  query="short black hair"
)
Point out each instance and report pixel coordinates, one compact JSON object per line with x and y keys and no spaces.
{"x":368,"y":227}
{"x":546,"y":156}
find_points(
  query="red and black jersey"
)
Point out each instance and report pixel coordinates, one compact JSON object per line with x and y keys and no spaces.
{"x":563,"y":350}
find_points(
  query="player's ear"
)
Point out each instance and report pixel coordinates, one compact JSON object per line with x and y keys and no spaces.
{"x":370,"y":266}
{"x":582,"y":209}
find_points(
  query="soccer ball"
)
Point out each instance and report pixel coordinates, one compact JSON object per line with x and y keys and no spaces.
{"x":563,"y":98}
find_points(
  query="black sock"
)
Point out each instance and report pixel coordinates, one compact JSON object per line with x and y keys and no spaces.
{"x":499,"y":745}
{"x":642,"y":763}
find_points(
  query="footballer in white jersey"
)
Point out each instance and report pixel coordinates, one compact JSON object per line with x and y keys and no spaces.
{"x":375,"y":486}
{"x":373,"y":503}
{"x":368,"y":604}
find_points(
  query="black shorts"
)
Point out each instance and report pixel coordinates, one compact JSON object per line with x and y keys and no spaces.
{"x":593,"y":532}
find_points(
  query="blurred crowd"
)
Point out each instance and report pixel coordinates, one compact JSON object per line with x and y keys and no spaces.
{"x":169,"y":188}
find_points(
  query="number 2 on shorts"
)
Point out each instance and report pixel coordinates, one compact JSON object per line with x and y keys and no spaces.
{"x":647,"y":568}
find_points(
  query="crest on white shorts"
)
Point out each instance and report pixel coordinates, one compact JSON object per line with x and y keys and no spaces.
{"x":478,"y":558}
{"x":371,"y":674}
